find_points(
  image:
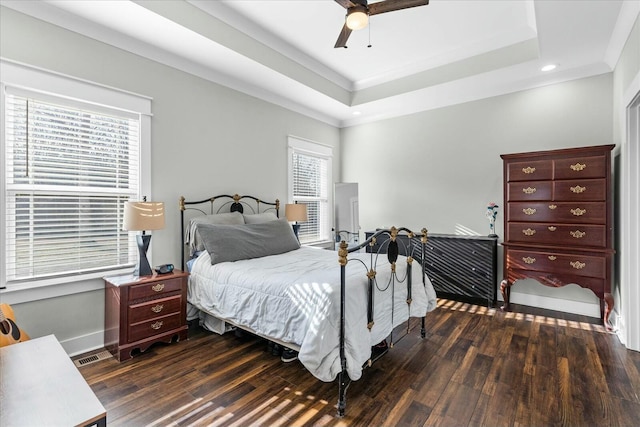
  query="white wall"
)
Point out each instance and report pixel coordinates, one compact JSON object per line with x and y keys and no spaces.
{"x":438,"y":169}
{"x":206,"y":139}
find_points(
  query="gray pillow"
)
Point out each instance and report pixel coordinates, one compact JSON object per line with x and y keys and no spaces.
{"x":260,"y":218}
{"x":236,"y":242}
{"x":191,"y":236}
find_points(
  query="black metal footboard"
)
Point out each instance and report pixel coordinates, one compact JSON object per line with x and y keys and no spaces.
{"x":415,"y":251}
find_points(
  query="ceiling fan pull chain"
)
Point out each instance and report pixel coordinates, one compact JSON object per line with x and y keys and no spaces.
{"x":369,"y":45}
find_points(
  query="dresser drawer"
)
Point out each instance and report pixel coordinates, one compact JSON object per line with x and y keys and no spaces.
{"x":535,"y":170}
{"x":531,"y":190}
{"x":580,"y":190}
{"x":580,"y":167}
{"x":557,"y":263}
{"x":154,"y":308}
{"x":154,"y":289}
{"x":155,"y":326}
{"x":553,"y":234}
{"x":557,"y":212}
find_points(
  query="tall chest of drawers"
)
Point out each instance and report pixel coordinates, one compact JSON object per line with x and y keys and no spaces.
{"x":558,"y":220}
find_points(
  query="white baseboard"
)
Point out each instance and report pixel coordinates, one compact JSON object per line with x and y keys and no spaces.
{"x":84,"y":343}
{"x":557,"y":304}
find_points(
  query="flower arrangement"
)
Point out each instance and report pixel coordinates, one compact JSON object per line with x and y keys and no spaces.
{"x":492,"y":212}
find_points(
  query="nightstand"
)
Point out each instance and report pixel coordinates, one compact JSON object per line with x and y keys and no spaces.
{"x":140,"y":311}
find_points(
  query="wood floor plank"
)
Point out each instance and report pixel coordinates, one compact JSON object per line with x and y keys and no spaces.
{"x":476,"y":367}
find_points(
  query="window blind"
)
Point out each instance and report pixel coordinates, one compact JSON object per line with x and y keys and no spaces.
{"x":68,"y":172}
{"x":310,"y":186}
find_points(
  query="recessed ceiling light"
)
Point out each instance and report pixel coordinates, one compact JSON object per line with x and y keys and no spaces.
{"x":356,"y":113}
{"x":549,"y":67}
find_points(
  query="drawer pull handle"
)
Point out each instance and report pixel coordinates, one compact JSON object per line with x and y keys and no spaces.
{"x":552,"y":257}
{"x":156,"y":325}
{"x":158,"y":287}
{"x":552,"y":207}
{"x":528,"y":170}
{"x":578,"y":265}
{"x":578,"y":211}
{"x":577,"y":189}
{"x":528,"y":232}
{"x":157,"y":308}
{"x":528,"y":260}
{"x":578,"y":234}
{"x":529,"y":190}
{"x":578,"y":167}
{"x":552,"y":228}
{"x":529,"y":211}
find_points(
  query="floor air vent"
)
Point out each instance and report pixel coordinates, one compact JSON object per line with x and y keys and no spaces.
{"x":92,"y":358}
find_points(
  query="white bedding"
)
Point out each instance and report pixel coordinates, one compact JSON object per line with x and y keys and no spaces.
{"x":295,"y":298}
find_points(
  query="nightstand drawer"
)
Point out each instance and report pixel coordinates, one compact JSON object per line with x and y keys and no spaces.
{"x":157,"y":307}
{"x":152,"y":327}
{"x":155,"y":289}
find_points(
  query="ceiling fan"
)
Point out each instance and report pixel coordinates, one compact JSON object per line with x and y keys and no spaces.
{"x":358,"y":12}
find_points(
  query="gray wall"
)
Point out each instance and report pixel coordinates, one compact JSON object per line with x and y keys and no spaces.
{"x":206,"y":139}
{"x":438,"y":169}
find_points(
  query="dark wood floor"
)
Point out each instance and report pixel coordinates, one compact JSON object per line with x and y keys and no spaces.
{"x":477,"y":366}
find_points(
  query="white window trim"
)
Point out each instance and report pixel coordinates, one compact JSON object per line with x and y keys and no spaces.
{"x":317,"y":149}
{"x":18,"y":75}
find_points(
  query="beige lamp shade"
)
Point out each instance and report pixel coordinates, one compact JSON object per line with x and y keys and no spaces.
{"x":141,"y":216}
{"x":295,"y":212}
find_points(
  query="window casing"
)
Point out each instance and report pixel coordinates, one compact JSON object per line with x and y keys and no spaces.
{"x":310,"y":178}
{"x":69,"y":164}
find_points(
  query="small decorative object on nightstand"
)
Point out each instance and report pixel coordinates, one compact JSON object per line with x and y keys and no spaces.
{"x":140,"y":311}
{"x":492,"y":212}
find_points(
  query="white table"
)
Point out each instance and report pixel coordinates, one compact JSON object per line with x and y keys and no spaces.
{"x":40,"y":386}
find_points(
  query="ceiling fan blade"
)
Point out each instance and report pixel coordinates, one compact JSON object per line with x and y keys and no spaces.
{"x":343,"y":37}
{"x":345,"y":3}
{"x":391,"y":5}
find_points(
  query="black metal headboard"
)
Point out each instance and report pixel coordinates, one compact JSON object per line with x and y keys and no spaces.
{"x":224,"y":203}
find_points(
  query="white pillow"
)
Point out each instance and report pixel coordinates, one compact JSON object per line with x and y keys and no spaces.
{"x":260,"y":218}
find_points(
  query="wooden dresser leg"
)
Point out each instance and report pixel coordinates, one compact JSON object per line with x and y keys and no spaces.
{"x":608,"y":306}
{"x":505,"y":290}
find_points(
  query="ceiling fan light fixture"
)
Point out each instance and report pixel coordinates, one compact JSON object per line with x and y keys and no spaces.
{"x":357,"y":18}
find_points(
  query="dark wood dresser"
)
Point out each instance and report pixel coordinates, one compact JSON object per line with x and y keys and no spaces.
{"x":558,"y":220}
{"x":140,"y":311}
{"x":460,"y":267}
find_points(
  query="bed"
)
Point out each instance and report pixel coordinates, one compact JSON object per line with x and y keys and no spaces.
{"x":248,"y":271}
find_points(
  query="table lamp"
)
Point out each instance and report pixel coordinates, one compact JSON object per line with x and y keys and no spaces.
{"x":143,"y":216}
{"x":295,"y":213}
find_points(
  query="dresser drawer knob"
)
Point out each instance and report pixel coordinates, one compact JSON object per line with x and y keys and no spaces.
{"x":528,"y":170}
{"x":529,"y":211}
{"x":578,"y":167}
{"x":552,"y":207}
{"x":528,"y":232}
{"x":577,"y":189}
{"x":156,"y":325}
{"x":158,"y":287}
{"x":552,"y":228}
{"x":157,"y":308}
{"x":552,"y":257}
{"x":578,"y":211}
{"x":528,"y":260}
{"x":578,"y":265}
{"x":529,"y":190}
{"x":577,"y":234}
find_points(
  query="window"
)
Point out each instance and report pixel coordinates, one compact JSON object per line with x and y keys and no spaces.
{"x":68,"y":167}
{"x":310,"y":177}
